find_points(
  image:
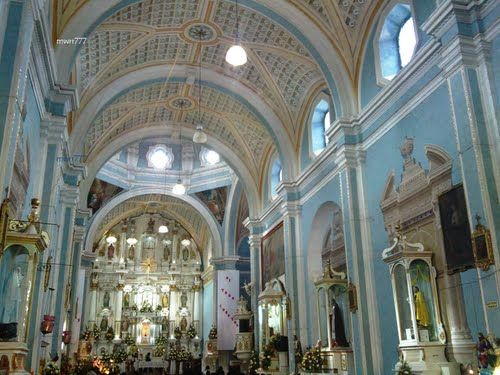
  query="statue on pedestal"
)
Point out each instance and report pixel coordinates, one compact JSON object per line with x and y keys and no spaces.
{"x":421,"y":310}
{"x":104,"y":324}
{"x":111,"y":251}
{"x":105,"y":300}
{"x":126,"y":300}
{"x":183,"y":324}
{"x":164,"y":301}
{"x":12,"y":297}
{"x":337,"y":326}
{"x":183,"y":299}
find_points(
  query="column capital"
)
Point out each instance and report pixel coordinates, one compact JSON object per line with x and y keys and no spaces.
{"x":69,"y":195}
{"x":79,"y":233}
{"x":350,"y":156}
{"x":291,"y":208}
{"x":231,"y":262}
{"x":53,"y":129}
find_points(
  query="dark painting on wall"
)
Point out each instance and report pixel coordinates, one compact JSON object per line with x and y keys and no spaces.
{"x":215,"y":200}
{"x":272,"y":255}
{"x":101,"y":192}
{"x":456,"y":230}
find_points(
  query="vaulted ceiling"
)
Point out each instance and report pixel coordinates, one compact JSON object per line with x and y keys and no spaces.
{"x":137,"y":76}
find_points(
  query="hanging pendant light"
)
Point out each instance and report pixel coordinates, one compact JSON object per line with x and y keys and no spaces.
{"x":179,"y":188}
{"x":236,"y":54}
{"x":199,"y":135}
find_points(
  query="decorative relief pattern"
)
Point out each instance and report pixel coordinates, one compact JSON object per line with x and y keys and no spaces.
{"x":164,"y":13}
{"x":292,"y":78}
{"x":99,"y":49}
{"x":351,"y":11}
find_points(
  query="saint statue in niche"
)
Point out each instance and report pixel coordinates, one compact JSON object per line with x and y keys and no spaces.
{"x":421,"y":310}
{"x":124,"y":325}
{"x":126,"y":300}
{"x":164,"y":324}
{"x":105,"y":299}
{"x":337,"y":326}
{"x":184,"y":299}
{"x":164,"y":300}
{"x":185,"y":254}
{"x":12,"y":297}
{"x":104,"y":324}
{"x":166,"y":253}
{"x":183,"y":324}
{"x":131,"y":252}
{"x":111,"y":251}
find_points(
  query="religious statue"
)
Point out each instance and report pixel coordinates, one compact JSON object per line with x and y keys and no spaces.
{"x":131,"y":252}
{"x":105,"y":300}
{"x":184,"y":300}
{"x":297,"y":348}
{"x":166,"y":253}
{"x":164,"y":324}
{"x":104,"y":324}
{"x":126,"y":300}
{"x":124,"y":325}
{"x":337,"y":326}
{"x":421,"y":311}
{"x":12,"y":297}
{"x":111,"y":251}
{"x":183,"y":324}
{"x":185,"y":254}
{"x":164,"y":300}
{"x":483,"y":347}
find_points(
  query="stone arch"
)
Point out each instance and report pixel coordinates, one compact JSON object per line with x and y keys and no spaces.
{"x":120,"y":198}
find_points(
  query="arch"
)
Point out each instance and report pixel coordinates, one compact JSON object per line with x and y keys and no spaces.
{"x":179,"y":73}
{"x":120,"y":198}
{"x":231,"y":218}
{"x":326,"y":55}
{"x":320,"y":226}
{"x":126,"y":139}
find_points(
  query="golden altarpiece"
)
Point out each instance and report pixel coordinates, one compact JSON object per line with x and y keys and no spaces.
{"x":21,"y":245}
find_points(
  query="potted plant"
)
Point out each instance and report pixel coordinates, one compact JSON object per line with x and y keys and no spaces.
{"x":51,"y":369}
{"x":267,"y":356}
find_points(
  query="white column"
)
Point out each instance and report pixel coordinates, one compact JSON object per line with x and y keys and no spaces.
{"x":122,"y":251}
{"x":118,"y":312}
{"x":196,"y":307}
{"x":93,"y":306}
{"x":175,"y":246}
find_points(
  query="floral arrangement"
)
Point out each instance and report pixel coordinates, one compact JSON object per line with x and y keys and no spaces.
{"x":312,"y":362}
{"x":173,"y":353}
{"x":184,"y":355}
{"x":86,"y":334}
{"x":129,"y":340}
{"x":404,"y":369}
{"x":254,"y":363}
{"x":110,"y":334}
{"x":119,"y":354}
{"x":134,"y":307}
{"x":191,"y":332}
{"x":266,"y":356}
{"x":82,"y":367}
{"x":212,"y":335}
{"x":133,"y":350}
{"x":105,"y":365}
{"x":161,"y":340}
{"x":51,"y":369}
{"x":146,"y":307}
{"x":177,"y":333}
{"x":96,"y":332}
{"x":159,"y":350}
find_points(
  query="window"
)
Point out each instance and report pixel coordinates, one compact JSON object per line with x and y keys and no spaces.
{"x":276,"y":176}
{"x":320,"y":123}
{"x":397,"y":40}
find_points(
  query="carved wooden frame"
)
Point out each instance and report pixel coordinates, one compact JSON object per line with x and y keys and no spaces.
{"x":482,"y":247}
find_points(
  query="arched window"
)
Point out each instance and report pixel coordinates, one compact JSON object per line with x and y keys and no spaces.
{"x":276,"y":176}
{"x":397,"y":40}
{"x":320,"y":122}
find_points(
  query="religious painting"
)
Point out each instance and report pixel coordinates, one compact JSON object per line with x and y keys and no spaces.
{"x":481,"y":245}
{"x":101,"y":192}
{"x":215,"y":200}
{"x":456,"y":230}
{"x":272,"y":255}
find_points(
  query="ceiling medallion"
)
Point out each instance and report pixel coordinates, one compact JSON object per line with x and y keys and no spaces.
{"x":200,"y":32}
{"x":181,"y":103}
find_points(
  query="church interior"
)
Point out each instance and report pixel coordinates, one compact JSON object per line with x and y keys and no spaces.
{"x":249,"y":187}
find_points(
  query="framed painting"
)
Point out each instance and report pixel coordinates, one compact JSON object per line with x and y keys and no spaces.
{"x":272,"y":255}
{"x":481,"y":245}
{"x":456,"y":230}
